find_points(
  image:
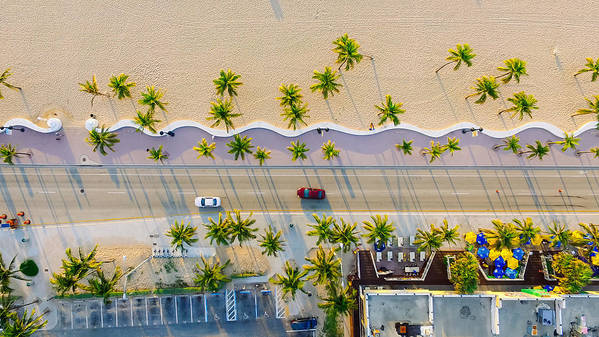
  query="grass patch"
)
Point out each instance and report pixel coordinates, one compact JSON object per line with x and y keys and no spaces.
{"x":244,"y":275}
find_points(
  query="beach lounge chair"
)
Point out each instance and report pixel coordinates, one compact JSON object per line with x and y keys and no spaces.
{"x":379,"y":256}
{"x":412,"y":239}
{"x":390,"y":255}
{"x":400,"y":241}
{"x":422,"y":255}
{"x":390,"y":242}
{"x":399,"y":256}
{"x":412,"y":256}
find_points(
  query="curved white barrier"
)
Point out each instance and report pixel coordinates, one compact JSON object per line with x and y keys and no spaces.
{"x":54,"y":125}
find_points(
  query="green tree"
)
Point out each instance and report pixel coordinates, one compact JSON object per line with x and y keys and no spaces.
{"x":295,"y":114}
{"x":405,"y":146}
{"x":227,"y":81}
{"x":157,"y":154}
{"x":593,"y":108}
{"x":240,"y":146}
{"x":379,"y":229}
{"x":102,"y":140}
{"x":485,"y":86}
{"x":328,"y":150}
{"x":327,"y":82}
{"x":389,"y":111}
{"x":322,"y":228}
{"x":523,"y":104}
{"x":261,"y":155}
{"x":219,"y":231}
{"x":7,"y":273}
{"x":75,"y":269}
{"x":592,"y":67}
{"x":345,"y":234}
{"x":291,"y":95}
{"x":590,"y":239}
{"x":63,"y":283}
{"x":462,"y":53}
{"x":146,"y":120}
{"x":120,"y":87}
{"x":182,"y":234}
{"x":449,"y":235}
{"x":298,"y":150}
{"x":453,"y":145}
{"x":571,"y":273}
{"x":292,"y":281}
{"x":103,"y":286}
{"x":339,"y":300}
{"x":593,"y":150}
{"x":8,"y":152}
{"x":5,"y":75}
{"x":526,"y":229}
{"x":152,"y":98}
{"x":347,"y":52}
{"x":241,"y":229}
{"x":210,"y":277}
{"x":204,"y":149}
{"x":428,"y":241}
{"x":24,"y":325}
{"x":271,"y":242}
{"x":222,"y":112}
{"x":559,"y":233}
{"x":91,"y":87}
{"x":569,"y":142}
{"x":514,"y":68}
{"x":538,"y":150}
{"x":503,"y":235}
{"x":464,"y":273}
{"x":509,"y":144}
{"x":434,"y":151}
{"x":324,"y":268}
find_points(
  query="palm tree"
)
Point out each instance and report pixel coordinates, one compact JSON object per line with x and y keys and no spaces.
{"x":261,"y":155}
{"x":322,"y":228}
{"x":5,"y":75}
{"x":485,"y":86}
{"x":449,"y":235}
{"x":222,"y":112}
{"x":241,"y":229}
{"x":428,"y":240}
{"x":102,"y":140}
{"x":593,"y":150}
{"x":24,"y":325}
{"x":452,"y":145}
{"x":120,"y":86}
{"x":63,"y":283}
{"x":327,"y":82}
{"x":523,"y":104}
{"x":7,"y":273}
{"x":378,"y":229}
{"x":591,"y":66}
{"x":8,"y":152}
{"x":462,"y":53}
{"x":292,"y":281}
{"x":219,"y":231}
{"x":204,"y":149}
{"x":182,"y":234}
{"x":345,"y":234}
{"x":405,"y":146}
{"x":152,"y":97}
{"x":324,"y":268}
{"x":240,"y":146}
{"x":80,"y":266}
{"x":389,"y":110}
{"x":329,"y":151}
{"x":295,"y":114}
{"x":146,"y":120}
{"x":157,"y":154}
{"x":210,"y":277}
{"x":103,"y":286}
{"x":7,"y":308}
{"x":539,"y":150}
{"x":91,"y":87}
{"x":347,"y":52}
{"x":509,"y":144}
{"x":526,"y":229}
{"x":298,"y":150}
{"x":291,"y":95}
{"x":514,"y":67}
{"x":593,"y":107}
{"x":569,"y":142}
{"x":271,"y":242}
{"x":227,"y":81}
{"x":559,"y":233}
{"x":590,"y":240}
{"x":340,"y":301}
{"x":503,"y":235}
{"x":435,"y":151}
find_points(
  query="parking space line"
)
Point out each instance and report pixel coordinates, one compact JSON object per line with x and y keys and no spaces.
{"x":256,"y":304}
{"x":116,"y":313}
{"x":160,"y":306}
{"x":191,"y":309}
{"x":72,"y":323}
{"x":86,"y":316}
{"x":131,"y":308}
{"x":176,"y":311}
{"x":205,"y":309}
{"x":101,"y":314}
{"x":147,"y":318}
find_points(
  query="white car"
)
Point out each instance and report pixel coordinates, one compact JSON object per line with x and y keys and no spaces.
{"x":204,"y":202}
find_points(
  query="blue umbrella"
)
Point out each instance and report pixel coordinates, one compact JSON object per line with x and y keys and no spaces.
{"x":548,"y":288}
{"x":481,"y":239}
{"x":510,"y":273}
{"x":483,"y":252}
{"x":518,"y":253}
{"x":379,"y":246}
{"x":499,"y":262}
{"x":498,"y":272}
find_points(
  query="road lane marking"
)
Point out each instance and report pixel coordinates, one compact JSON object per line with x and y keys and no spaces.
{"x":116,"y":192}
{"x":46,"y":192}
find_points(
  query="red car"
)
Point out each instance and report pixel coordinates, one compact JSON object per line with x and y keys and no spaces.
{"x":310,"y":193}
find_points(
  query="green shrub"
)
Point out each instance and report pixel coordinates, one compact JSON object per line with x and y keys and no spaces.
{"x":572,"y":274}
{"x":29,"y":268}
{"x":464,"y":273}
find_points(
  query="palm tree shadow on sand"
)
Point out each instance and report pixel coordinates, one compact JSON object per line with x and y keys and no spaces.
{"x":455,"y":116}
{"x":376,"y":78}
{"x":351,"y":99}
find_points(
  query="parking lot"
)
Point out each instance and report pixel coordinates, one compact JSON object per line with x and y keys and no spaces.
{"x":140,"y":311}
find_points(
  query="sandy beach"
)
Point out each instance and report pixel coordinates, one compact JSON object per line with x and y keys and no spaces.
{"x":180,"y":47}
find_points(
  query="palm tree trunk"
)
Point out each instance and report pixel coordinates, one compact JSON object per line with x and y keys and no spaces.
{"x":580,"y":153}
{"x":474,"y":94}
{"x":28,"y":154}
{"x":370,"y":57}
{"x":502,"y":75}
{"x":443,"y":66}
{"x":497,"y":147}
{"x":341,"y":65}
{"x":502,"y":111}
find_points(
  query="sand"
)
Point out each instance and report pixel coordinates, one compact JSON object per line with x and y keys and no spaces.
{"x":52,"y":45}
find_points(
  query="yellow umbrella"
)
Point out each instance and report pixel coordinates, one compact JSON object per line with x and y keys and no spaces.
{"x":595,"y":260}
{"x":506,"y":253}
{"x":493,"y":254}
{"x":470,"y":237}
{"x":577,"y":235}
{"x":537,"y":240}
{"x":512,"y":263}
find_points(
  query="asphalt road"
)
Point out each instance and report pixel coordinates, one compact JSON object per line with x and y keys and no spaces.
{"x":72,"y":194}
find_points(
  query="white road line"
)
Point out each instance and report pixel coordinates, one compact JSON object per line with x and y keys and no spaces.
{"x":72,"y":321}
{"x":131,"y":307}
{"x":460,"y":193}
{"x":46,"y":192}
{"x":256,"y":304}
{"x":116,"y":313}
{"x":86,"y":316}
{"x":176,"y":311}
{"x":160,"y":306}
{"x":116,"y":192}
{"x":190,"y":309}
{"x":101,"y":314}
{"x":205,"y":309}
{"x":147,"y":319}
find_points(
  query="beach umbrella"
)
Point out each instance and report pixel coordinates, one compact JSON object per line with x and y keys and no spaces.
{"x":379,"y":245}
{"x":481,"y":239}
{"x":537,"y":239}
{"x":493,"y":254}
{"x":498,"y":272}
{"x":506,"y":253}
{"x":91,"y":124}
{"x":595,"y":260}
{"x":548,"y":287}
{"x":518,"y":253}
{"x":510,"y":273}
{"x":576,"y":236}
{"x":470,"y":237}
{"x":512,"y":263}
{"x":483,"y":252}
{"x":499,"y":262}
